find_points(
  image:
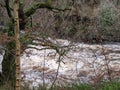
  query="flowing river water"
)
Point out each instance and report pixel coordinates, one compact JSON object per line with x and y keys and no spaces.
{"x":84,"y":63}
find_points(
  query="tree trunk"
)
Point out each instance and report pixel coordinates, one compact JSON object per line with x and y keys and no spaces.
{"x":8,"y":63}
{"x":11,"y":59}
{"x":17,"y":43}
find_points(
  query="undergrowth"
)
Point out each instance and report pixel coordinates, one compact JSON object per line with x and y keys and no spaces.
{"x":103,"y":86}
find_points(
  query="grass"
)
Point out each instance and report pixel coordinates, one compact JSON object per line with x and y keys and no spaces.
{"x":110,"y":86}
{"x":103,"y":86}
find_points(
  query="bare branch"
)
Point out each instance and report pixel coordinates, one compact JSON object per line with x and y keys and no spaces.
{"x":40,"y":5}
{"x":2,"y":5}
{"x":7,"y":6}
{"x":37,"y":48}
{"x":57,"y":73}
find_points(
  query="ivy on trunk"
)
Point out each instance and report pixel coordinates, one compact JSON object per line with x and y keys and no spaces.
{"x":8,"y":63}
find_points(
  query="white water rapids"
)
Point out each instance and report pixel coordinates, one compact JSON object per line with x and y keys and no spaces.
{"x":84,"y":63}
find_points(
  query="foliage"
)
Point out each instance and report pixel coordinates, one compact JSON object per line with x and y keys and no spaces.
{"x":107,"y":16}
{"x":110,"y":86}
{"x":73,"y":25}
{"x":24,"y":39}
{"x":103,"y":86}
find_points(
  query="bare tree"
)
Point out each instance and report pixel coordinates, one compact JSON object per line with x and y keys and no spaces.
{"x":13,"y":47}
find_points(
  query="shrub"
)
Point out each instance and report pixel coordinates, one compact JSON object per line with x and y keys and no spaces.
{"x":107,"y":16}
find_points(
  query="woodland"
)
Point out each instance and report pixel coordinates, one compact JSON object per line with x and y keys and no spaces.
{"x":42,"y":22}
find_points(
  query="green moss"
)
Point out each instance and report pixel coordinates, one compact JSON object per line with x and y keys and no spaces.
{"x":31,"y":10}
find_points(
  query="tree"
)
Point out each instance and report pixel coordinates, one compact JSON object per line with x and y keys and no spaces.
{"x":17,"y":43}
{"x":8,"y":64}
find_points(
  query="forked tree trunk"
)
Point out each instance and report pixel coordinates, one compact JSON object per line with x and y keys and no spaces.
{"x":17,"y":44}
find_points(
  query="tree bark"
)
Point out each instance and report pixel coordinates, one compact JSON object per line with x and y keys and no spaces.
{"x":11,"y":59}
{"x":8,"y":63}
{"x":17,"y":43}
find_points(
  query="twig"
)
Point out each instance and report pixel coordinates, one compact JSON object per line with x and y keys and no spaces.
{"x":56,"y":73}
{"x":105,"y":51}
{"x":44,"y":70}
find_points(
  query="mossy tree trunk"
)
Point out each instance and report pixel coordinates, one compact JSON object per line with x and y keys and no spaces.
{"x":17,"y":44}
{"x":8,"y":63}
